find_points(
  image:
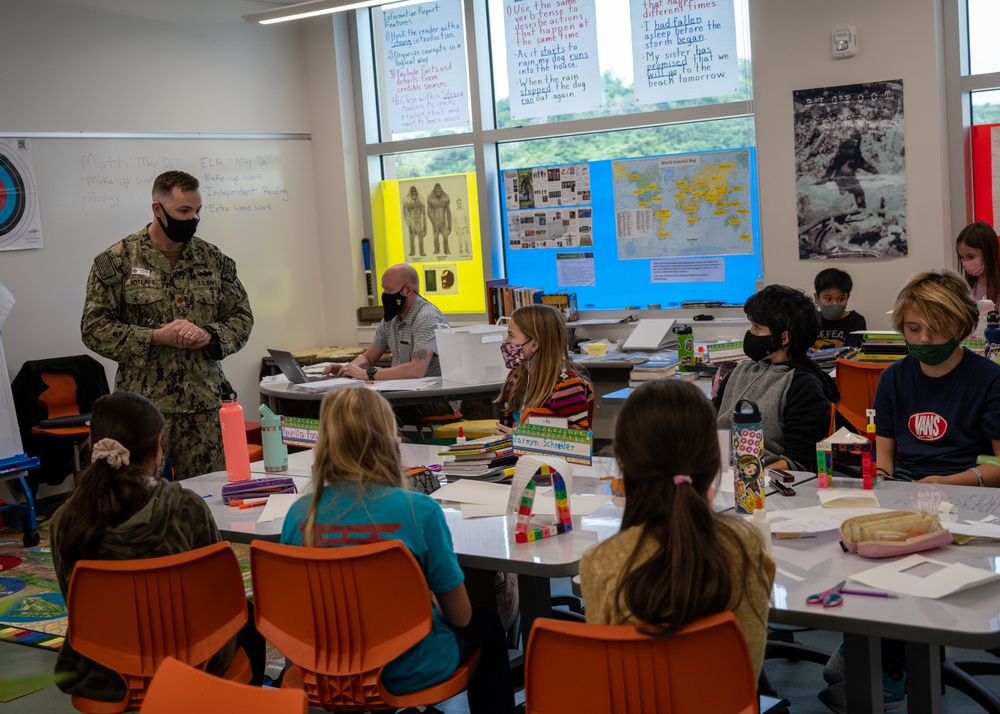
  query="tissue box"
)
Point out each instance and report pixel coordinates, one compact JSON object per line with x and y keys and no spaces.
{"x":471,"y":355}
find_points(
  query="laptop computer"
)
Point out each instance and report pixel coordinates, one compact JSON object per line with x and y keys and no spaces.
{"x":291,"y":369}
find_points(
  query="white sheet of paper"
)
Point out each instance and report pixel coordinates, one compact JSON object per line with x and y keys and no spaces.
{"x":401,"y":385}
{"x":948,"y":579}
{"x":544,"y":510}
{"x":325,"y":385}
{"x":847,"y":498}
{"x":814,"y":519}
{"x":277,"y":506}
{"x":469,"y":491}
{"x":973,"y":528}
{"x":649,"y":335}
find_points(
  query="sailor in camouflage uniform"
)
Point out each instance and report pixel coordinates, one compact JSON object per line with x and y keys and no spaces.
{"x":167,"y":307}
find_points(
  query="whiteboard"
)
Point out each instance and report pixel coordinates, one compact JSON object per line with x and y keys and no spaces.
{"x":259,"y":208}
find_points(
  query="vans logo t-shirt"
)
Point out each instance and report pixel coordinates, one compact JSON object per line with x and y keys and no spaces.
{"x":928,"y":426}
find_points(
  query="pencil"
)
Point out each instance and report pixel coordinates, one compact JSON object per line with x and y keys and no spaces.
{"x":868,"y":593}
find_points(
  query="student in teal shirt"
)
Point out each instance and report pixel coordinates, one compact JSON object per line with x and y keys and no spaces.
{"x":358,"y":497}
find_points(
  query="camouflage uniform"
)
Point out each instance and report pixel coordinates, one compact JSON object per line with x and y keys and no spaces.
{"x":132,"y":289}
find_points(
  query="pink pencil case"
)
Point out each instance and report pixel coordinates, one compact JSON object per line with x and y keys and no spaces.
{"x":257,"y":488}
{"x":883,"y":535}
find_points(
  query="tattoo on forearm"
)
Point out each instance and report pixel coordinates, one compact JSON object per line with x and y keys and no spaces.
{"x":363,"y":364}
{"x":418,"y":355}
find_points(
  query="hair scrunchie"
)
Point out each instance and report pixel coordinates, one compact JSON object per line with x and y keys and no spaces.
{"x":681,"y":478}
{"x":111,"y":451}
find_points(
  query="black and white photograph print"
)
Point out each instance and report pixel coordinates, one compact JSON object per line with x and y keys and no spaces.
{"x":850,"y":164}
{"x":435,"y":217}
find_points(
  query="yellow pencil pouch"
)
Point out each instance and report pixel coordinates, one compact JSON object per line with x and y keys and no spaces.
{"x":883,"y":535}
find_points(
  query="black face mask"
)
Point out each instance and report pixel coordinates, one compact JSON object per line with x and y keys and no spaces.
{"x":757,"y":347}
{"x":178,"y":231}
{"x":392,"y":304}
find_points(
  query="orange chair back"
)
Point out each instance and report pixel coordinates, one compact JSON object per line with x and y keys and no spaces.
{"x":178,"y":687}
{"x":627,"y":671}
{"x":857,"y":381}
{"x":340,"y":614}
{"x":129,"y":615}
{"x":60,"y":397}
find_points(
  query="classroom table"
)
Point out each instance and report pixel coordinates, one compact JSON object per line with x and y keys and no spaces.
{"x":440,"y":390}
{"x":480,"y":543}
{"x":966,"y":619}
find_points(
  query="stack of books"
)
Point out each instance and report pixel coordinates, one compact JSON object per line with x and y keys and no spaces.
{"x":827,"y":357}
{"x":881,"y":346}
{"x":485,"y":459}
{"x":659,"y":367}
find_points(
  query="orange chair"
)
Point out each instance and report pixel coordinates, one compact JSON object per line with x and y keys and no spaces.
{"x":341,"y":615}
{"x":129,"y":615}
{"x":627,"y":671}
{"x":59,"y":402}
{"x":856,"y":381}
{"x":178,"y":687}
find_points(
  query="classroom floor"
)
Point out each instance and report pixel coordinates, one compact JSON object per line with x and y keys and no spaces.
{"x":798,"y":682}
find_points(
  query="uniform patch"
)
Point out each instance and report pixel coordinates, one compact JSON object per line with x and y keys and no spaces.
{"x":228,"y":270}
{"x":106,"y":272}
{"x":140,"y":271}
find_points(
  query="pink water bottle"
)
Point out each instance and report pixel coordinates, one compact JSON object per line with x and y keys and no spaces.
{"x":234,"y":435}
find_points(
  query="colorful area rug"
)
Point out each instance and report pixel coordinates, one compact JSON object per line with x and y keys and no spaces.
{"x":32,"y":610}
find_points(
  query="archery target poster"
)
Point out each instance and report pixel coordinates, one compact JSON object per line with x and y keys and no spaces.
{"x":20,"y":222}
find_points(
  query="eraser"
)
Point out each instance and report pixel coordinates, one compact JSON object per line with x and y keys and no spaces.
{"x":946,"y":507}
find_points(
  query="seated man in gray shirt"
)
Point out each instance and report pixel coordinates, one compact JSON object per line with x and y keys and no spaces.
{"x":407,"y":330}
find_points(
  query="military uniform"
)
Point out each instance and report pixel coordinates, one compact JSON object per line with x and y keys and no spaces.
{"x":132,"y":290}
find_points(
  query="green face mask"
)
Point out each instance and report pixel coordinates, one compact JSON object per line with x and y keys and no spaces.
{"x":932,"y":354}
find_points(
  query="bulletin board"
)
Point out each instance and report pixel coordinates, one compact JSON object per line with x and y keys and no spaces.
{"x":413,"y":214}
{"x":676,"y":209}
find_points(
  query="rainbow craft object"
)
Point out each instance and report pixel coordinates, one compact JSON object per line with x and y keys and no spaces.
{"x":523,"y":531}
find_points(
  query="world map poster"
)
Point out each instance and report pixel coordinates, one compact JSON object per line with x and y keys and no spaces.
{"x":683,"y":205}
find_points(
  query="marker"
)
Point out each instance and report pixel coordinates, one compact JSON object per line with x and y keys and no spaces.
{"x":252,"y":505}
{"x":207,"y":496}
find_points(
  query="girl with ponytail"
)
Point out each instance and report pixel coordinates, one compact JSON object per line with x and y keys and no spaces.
{"x":675,"y":560}
{"x":122,"y":509}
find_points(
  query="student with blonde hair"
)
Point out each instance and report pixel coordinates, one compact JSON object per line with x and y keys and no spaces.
{"x":938,"y":409}
{"x":358,"y":481}
{"x":542,"y":375}
{"x":675,"y":560}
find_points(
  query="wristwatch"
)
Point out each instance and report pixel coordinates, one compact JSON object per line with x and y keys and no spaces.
{"x":371,"y":372}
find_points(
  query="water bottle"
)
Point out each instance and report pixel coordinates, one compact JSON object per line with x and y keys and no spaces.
{"x":992,"y":336}
{"x":748,"y":450}
{"x":685,"y":347}
{"x":275,"y":450}
{"x":234,"y":435}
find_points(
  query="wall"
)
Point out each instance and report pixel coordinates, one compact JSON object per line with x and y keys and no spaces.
{"x":791,"y":50}
{"x":127,"y":66}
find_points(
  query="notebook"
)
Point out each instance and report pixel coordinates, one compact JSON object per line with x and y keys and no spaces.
{"x":291,"y":369}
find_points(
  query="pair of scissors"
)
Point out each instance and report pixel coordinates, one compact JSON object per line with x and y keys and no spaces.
{"x":828,"y":598}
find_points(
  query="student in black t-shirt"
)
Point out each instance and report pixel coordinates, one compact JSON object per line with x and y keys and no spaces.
{"x":836,"y":322}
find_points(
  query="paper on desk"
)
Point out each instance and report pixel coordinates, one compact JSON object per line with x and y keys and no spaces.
{"x":974,"y":529}
{"x":277,"y":506}
{"x":544,"y":506}
{"x":471,"y":491}
{"x":907,"y":577}
{"x":326,"y":385}
{"x":814,"y":519}
{"x":847,"y":498}
{"x":401,"y":385}
{"x":649,"y":335}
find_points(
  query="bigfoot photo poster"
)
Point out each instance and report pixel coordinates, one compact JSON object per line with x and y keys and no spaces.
{"x":851,"y":171}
